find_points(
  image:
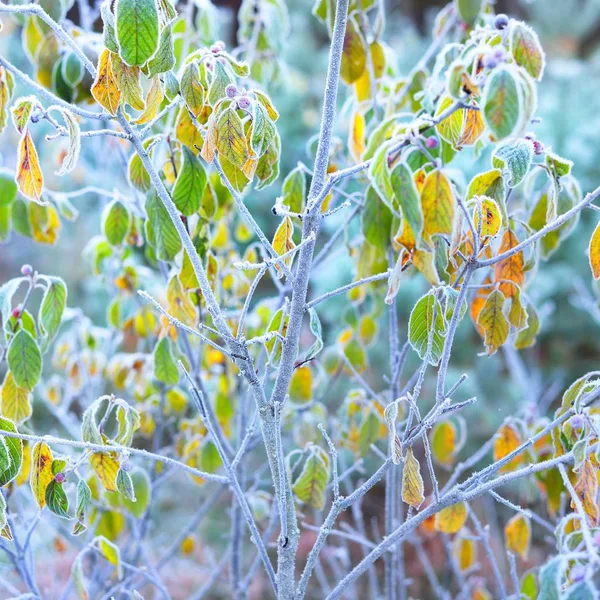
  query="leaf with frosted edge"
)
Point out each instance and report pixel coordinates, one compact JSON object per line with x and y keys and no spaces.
{"x":128,"y":82}
{"x":394,"y":278}
{"x":502,"y":103}
{"x":89,"y":427}
{"x":551,"y":576}
{"x":412,"y":481}
{"x":452,"y":518}
{"x":494,"y":323}
{"x":487,"y":210}
{"x":106,"y":468}
{"x":109,"y":552}
{"x":5,"y":459}
{"x":231,"y":141}
{"x":380,"y":177}
{"x":142,"y":489}
{"x":24,"y":360}
{"x":105,"y":89}
{"x":451,"y":127}
{"x":581,"y":591}
{"x":5,"y":530}
{"x":128,"y":420}
{"x":283,"y":242}
{"x":166,"y":238}
{"x":137,"y":30}
{"x":16,"y":401}
{"x":190,"y":184}
{"x":70,"y":160}
{"x":527,"y":335}
{"x":594,"y":252}
{"x":444,"y":443}
{"x":165,"y":367}
{"x":316,"y":330}
{"x":154,"y":99}
{"x":421,"y":325}
{"x":29,"y":176}
{"x":437,"y":203}
{"x":407,"y":196}
{"x":510,"y":272}
{"x":136,"y":172}
{"x":164,"y":59}
{"x":514,"y":157}
{"x":526,"y":49}
{"x":294,"y":190}
{"x":518,"y":535}
{"x":52,"y":308}
{"x":109,"y":38}
{"x":506,"y":441}
{"x":311,"y":484}
{"x":21,"y":111}
{"x":82,"y":501}
{"x":191,"y":88}
{"x":15,"y":451}
{"x":125,"y":485}
{"x":116,"y":221}
{"x":376,"y":221}
{"x":57,"y":500}
{"x":220,"y":81}
{"x":529,"y":586}
{"x":41,"y":472}
{"x":469,"y":10}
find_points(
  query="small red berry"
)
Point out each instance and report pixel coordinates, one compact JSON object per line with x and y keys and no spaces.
{"x":60,"y":478}
{"x":16,"y":312}
{"x":431,"y":142}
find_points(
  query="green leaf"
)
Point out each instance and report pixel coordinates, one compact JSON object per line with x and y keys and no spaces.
{"x":52,"y":308}
{"x":8,"y":187}
{"x":190,"y":185}
{"x":231,"y":141}
{"x":191,"y":88}
{"x":109,"y":38}
{"x":368,"y":433}
{"x":376,"y":221}
{"x":137,"y":30}
{"x":294,"y":190}
{"x":408,"y":198}
{"x":421,"y":325}
{"x":380,"y":177}
{"x":220,"y":81}
{"x":165,"y":367}
{"x":164,"y":59}
{"x":15,"y":451}
{"x":502,"y":103}
{"x":550,"y":579}
{"x":515,"y":158}
{"x":469,"y":10}
{"x":354,"y":56}
{"x":5,"y":460}
{"x":526,"y":337}
{"x":494,"y":323}
{"x":57,"y":500}
{"x":143,"y":492}
{"x":581,"y":591}
{"x":311,"y":484}
{"x":125,"y":485}
{"x":25,"y":360}
{"x":166,"y":239}
{"x":83,"y":498}
{"x":116,"y":221}
{"x":526,"y":49}
{"x":316,"y":330}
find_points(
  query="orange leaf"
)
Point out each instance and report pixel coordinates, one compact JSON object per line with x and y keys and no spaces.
{"x":511,"y":268}
{"x":29,"y":174}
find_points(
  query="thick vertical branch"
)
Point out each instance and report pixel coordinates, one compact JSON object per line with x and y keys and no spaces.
{"x":311,"y":223}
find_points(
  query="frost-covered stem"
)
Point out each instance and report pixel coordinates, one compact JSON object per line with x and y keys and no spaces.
{"x":334,"y":462}
{"x":311,"y":224}
{"x":583,"y":520}
{"x":452,"y":497}
{"x":512,"y":561}
{"x":524,"y":511}
{"x":440,"y":394}
{"x":484,"y":534}
{"x":233,"y":480}
{"x":561,"y":220}
{"x":248,"y":300}
{"x":42,"y":91}
{"x":349,"y":286}
{"x":50,"y":439}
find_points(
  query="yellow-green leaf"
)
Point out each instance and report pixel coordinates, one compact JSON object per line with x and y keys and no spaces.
{"x":412,"y":481}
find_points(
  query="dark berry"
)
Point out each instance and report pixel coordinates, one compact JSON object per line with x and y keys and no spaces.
{"x":60,"y":478}
{"x":489,"y":61}
{"x":501,"y":22}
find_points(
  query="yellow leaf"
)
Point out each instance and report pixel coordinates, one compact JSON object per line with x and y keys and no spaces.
{"x":187,"y":133}
{"x":29,"y":174}
{"x":16,"y":401}
{"x":473,"y":127}
{"x":105,"y":89}
{"x":494,"y":323}
{"x":507,"y":440}
{"x":283,"y":242}
{"x":301,"y":385}
{"x":41,"y":472}
{"x":153,"y":101}
{"x":231,"y":141}
{"x":465,"y":552}
{"x":23,"y":475}
{"x":128,"y":81}
{"x":518,"y":535}
{"x":595,"y":252}
{"x":187,"y":545}
{"x":412,"y":482}
{"x":510,"y":269}
{"x":437,"y":202}
{"x":106,"y":468}
{"x":587,"y":490}
{"x":443,"y":442}
{"x":356,"y":141}
{"x":451,"y":518}
{"x":492,"y":219}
